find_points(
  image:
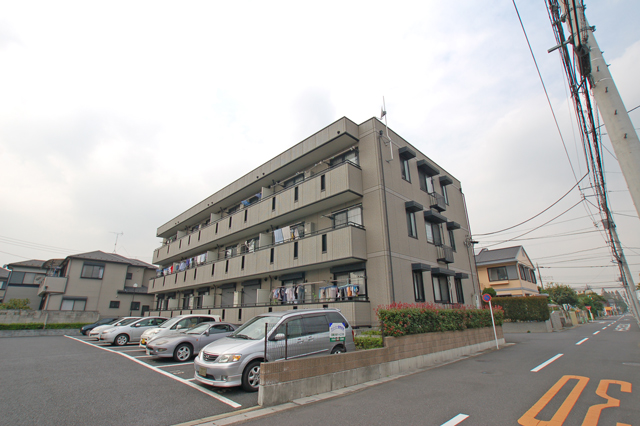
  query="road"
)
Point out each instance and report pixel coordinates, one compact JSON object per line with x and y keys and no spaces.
{"x":500,"y":388}
{"x":60,"y":380}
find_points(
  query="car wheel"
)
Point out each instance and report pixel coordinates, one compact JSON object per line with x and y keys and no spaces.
{"x":338,"y":350}
{"x":121,"y":340}
{"x":183,"y":352}
{"x":251,"y":377}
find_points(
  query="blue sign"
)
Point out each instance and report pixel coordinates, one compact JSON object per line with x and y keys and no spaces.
{"x":486,"y":298}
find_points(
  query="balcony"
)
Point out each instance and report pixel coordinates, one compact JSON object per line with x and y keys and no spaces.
{"x":445,"y":254}
{"x":344,"y":245}
{"x":437,"y":202}
{"x":342,"y":184}
{"x":52,"y":285}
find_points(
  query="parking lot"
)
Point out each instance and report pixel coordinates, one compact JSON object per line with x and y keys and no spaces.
{"x":76,"y":380}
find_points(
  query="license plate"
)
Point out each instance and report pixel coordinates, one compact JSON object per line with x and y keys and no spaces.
{"x":202,"y":371}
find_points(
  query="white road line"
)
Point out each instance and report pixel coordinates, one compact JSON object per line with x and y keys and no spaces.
{"x":174,"y":365}
{"x":582,"y":341}
{"x":186,"y":382}
{"x":544,"y":364}
{"x":604,"y":328}
{"x":132,"y":350}
{"x":140,"y":356}
{"x":456,"y":420}
{"x":596,"y":332}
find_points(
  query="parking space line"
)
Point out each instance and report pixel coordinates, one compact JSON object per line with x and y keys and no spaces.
{"x":596,"y":332}
{"x":547,"y":362}
{"x":456,"y":420}
{"x":220,"y":398}
{"x":132,"y":350}
{"x":174,"y":365}
{"x":141,"y":356}
{"x":582,"y":341}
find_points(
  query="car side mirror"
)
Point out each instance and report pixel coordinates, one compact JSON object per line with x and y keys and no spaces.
{"x":178,"y":327}
{"x":206,"y":332}
{"x":279,"y":336}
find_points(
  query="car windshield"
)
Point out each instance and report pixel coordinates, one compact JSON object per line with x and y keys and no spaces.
{"x":170,"y":322}
{"x":254,"y":329}
{"x":200,"y":328}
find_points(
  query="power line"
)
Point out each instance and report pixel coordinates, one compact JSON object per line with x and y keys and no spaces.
{"x":574,"y":252}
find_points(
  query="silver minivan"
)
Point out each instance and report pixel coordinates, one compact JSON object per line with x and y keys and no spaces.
{"x":235,"y":360}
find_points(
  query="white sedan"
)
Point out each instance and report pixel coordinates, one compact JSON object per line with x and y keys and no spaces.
{"x":131,"y":332}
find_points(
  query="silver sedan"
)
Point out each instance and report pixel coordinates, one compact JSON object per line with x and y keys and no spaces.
{"x":183,"y":345}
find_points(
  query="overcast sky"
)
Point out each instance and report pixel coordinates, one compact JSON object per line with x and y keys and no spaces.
{"x":117,"y":116}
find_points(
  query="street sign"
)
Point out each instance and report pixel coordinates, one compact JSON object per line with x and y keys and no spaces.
{"x":337,"y":332}
{"x":588,"y":307}
{"x":486,"y":297}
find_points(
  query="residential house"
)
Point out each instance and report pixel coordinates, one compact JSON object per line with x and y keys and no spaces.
{"x":4,"y":277}
{"x":509,"y":271}
{"x":24,"y":279}
{"x":352,"y":217}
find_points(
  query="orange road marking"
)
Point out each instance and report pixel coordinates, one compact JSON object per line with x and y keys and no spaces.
{"x":529,"y":418}
{"x":593,"y":415}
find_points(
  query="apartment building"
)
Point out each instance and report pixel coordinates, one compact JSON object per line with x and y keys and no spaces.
{"x":509,"y":271}
{"x":347,"y":218}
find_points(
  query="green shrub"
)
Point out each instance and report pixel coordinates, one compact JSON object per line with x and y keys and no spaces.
{"x":368,"y":342}
{"x":371,"y":333}
{"x":400,"y":319}
{"x":534,"y":308}
{"x":39,"y":326}
{"x":18,"y":304}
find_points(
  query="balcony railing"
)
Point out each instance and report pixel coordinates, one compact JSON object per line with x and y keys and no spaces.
{"x":52,"y":285}
{"x":445,"y":254}
{"x":343,"y":183}
{"x":437,"y":202}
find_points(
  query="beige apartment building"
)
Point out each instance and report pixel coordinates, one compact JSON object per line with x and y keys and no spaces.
{"x":347,"y":218}
{"x":509,"y":271}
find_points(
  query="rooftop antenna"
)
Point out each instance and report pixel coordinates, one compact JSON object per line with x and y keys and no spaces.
{"x":383,"y":114}
{"x":117,"y":235}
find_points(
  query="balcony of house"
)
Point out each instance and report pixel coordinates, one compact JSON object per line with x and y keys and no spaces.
{"x":52,"y":285}
{"x":273,"y":206}
{"x":437,"y":202}
{"x":328,"y":247}
{"x":445,"y":254}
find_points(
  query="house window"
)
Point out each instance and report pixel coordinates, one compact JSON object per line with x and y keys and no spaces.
{"x":322,"y":183}
{"x":23,"y":278}
{"x":271,"y":256}
{"x":426,"y":182}
{"x":405,"y":169}
{"x":114,"y":304}
{"x":72,"y":305}
{"x":273,"y":204}
{"x":324,"y":243}
{"x":444,"y":194}
{"x":217,"y":227}
{"x":418,"y":286}
{"x":230,"y":219}
{"x":452,"y":240}
{"x":242,"y":263}
{"x":498,"y":274}
{"x":523,"y":273}
{"x":135,"y":306}
{"x":411,"y":224}
{"x":129,"y":276}
{"x":233,"y":209}
{"x":92,"y":271}
{"x":459,"y":292}
{"x":533,"y":276}
{"x":226,"y":267}
{"x":293,"y":180}
{"x":295,"y":250}
{"x":295,"y":193}
{"x":350,"y":216}
{"x":246,"y":213}
{"x":352,"y":278}
{"x":351,"y":156}
{"x":434,"y":233}
{"x":230,"y":251}
{"x":441,"y":289}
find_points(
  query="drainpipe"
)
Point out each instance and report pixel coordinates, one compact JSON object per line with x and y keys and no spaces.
{"x":386,"y":218}
{"x":472,"y":259}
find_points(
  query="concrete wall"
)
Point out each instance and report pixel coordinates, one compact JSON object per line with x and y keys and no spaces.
{"x":284,"y":381}
{"x":51,"y":317}
{"x":528,"y":327}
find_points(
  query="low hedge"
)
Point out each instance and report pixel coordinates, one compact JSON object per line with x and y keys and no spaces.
{"x":368,"y":342}
{"x":521,"y":309}
{"x":400,"y":319}
{"x":40,"y":326}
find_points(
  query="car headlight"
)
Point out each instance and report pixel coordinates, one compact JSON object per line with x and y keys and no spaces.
{"x":152,"y":332}
{"x":229,"y":358}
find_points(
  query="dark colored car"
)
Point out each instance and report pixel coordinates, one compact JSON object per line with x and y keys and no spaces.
{"x":103,"y":321}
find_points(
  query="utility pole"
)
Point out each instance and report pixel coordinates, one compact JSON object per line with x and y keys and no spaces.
{"x":540,"y":276}
{"x":625,"y":272}
{"x":622,"y":134}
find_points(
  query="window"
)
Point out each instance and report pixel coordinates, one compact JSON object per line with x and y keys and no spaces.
{"x":230,"y":251}
{"x":233,"y":209}
{"x":324,"y":243}
{"x":249,"y":246}
{"x":72,"y":305}
{"x":271,"y":256}
{"x":452,"y":240}
{"x":533,"y":276}
{"x":295,"y":250}
{"x":498,"y":274}
{"x":135,"y":306}
{"x":114,"y":304}
{"x":242,"y":263}
{"x":350,"y":216}
{"x":293,"y":328}
{"x":322,"y":183}
{"x":23,"y":278}
{"x":295,"y":193}
{"x":459,"y":292}
{"x":351,"y":156}
{"x":352,"y":278}
{"x":92,"y":271}
{"x":246,"y":213}
{"x":444,"y":194}
{"x":434,"y":233}
{"x":3,"y":284}
{"x":293,"y":180}
{"x":426,"y":182}
{"x":129,"y":275}
{"x":230,"y":219}
{"x":315,"y":324}
{"x":523,"y":273}
{"x":441,"y":289}
{"x":411,"y":224}
{"x":217,"y":227}
{"x":418,"y":286}
{"x":405,"y":169}
{"x":273,"y":203}
{"x":226,"y":267}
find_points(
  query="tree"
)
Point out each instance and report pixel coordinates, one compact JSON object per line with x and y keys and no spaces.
{"x":490,"y":291}
{"x":16,"y":304}
{"x":592,"y":299}
{"x":562,"y":294}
